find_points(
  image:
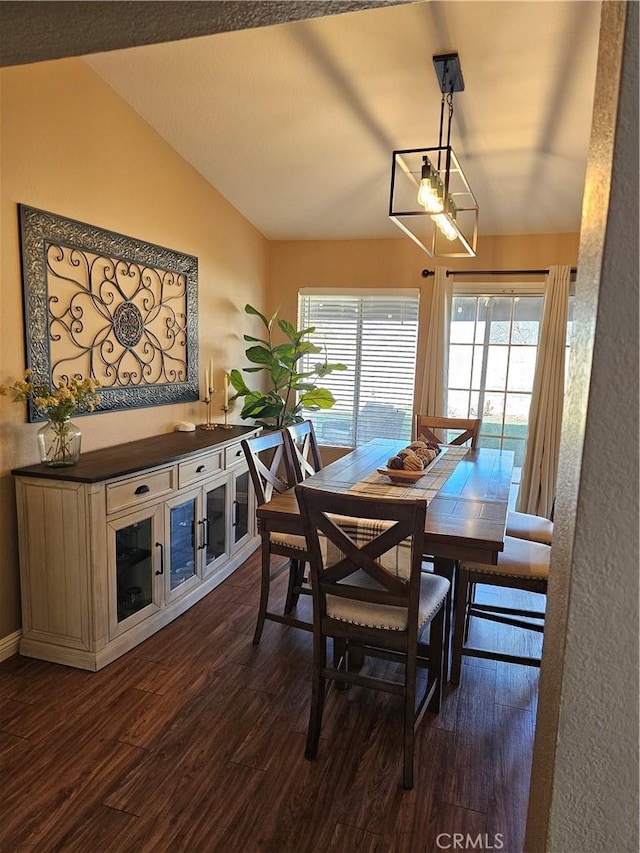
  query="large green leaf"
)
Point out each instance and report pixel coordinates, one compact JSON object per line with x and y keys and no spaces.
{"x":323,"y":370}
{"x":251,"y":310}
{"x":250,"y":338}
{"x":236,"y":380}
{"x":260,"y":355}
{"x":262,"y":409}
{"x":318,"y":398}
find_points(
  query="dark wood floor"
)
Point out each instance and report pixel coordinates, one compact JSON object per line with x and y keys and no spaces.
{"x":194,"y":742}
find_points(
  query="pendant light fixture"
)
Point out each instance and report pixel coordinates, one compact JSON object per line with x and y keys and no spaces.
{"x":431,"y":200}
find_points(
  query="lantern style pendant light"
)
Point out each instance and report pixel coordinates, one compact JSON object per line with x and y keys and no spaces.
{"x":431,"y":200}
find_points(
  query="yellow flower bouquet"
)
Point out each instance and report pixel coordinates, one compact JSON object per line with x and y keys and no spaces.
{"x":59,"y":439}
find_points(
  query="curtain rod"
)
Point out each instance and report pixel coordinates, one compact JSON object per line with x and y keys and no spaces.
{"x":427,"y":273}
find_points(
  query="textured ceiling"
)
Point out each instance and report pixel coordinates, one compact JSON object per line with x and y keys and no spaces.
{"x":45,"y":29}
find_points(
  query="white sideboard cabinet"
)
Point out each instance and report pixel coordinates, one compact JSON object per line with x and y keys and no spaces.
{"x":116,"y":546}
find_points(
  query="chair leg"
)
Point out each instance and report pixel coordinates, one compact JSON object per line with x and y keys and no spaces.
{"x":471,"y":597}
{"x":295,"y":570}
{"x":317,"y":695}
{"x":264,"y":588}
{"x":436,"y":658}
{"x":409,"y":719}
{"x":339,"y":659}
{"x":462,"y":593}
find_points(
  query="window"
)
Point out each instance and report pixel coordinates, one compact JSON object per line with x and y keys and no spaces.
{"x":492,"y":359}
{"x":375,"y":334}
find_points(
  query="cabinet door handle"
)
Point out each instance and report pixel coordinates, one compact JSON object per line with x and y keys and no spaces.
{"x":204,"y":537}
{"x":236,"y":514}
{"x":200,"y":469}
{"x":161,"y":569}
{"x":142,"y":490}
{"x":239,"y":452}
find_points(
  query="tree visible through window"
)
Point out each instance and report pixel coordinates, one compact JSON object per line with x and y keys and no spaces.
{"x":375,"y":334}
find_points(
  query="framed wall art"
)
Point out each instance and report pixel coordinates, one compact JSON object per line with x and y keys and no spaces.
{"x":102,"y":305}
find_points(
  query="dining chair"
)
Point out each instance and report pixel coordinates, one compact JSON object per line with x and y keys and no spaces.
{"x":272,"y":470}
{"x":522,"y":565}
{"x":304,"y":450}
{"x":468,"y":429}
{"x":523,"y":525}
{"x":368,"y":591}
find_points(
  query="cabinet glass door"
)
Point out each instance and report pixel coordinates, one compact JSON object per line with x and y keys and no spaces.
{"x":182,"y":543}
{"x":240,"y":517}
{"x":216,"y":523}
{"x":134,"y":567}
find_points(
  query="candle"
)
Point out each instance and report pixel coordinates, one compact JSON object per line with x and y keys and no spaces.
{"x":206,"y":382}
{"x":226,"y":388}
{"x":211,"y":374}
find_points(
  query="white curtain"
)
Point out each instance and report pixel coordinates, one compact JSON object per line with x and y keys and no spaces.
{"x":434,"y":394}
{"x":538,"y":484}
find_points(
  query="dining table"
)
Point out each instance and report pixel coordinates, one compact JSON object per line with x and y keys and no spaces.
{"x":467,"y":507}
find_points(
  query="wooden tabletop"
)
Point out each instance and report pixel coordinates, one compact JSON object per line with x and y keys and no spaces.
{"x":466,"y":520}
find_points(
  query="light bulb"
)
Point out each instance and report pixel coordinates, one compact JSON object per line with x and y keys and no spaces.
{"x":428,"y":197}
{"x":446,"y":228}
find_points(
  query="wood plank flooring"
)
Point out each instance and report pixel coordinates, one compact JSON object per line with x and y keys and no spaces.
{"x":194,"y":742}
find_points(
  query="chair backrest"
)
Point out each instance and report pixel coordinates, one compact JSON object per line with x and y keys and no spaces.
{"x":468,"y":429}
{"x":304,"y":450}
{"x":349,"y":534}
{"x":274,"y":471}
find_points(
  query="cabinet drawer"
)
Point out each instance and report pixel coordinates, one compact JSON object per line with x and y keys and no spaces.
{"x":234,"y":455}
{"x":196,"y":469}
{"x":139,"y":489}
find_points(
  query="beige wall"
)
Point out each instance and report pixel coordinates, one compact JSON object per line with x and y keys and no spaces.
{"x":69,"y":145}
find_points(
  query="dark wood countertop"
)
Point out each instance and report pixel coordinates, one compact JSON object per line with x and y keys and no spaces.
{"x":110,"y":462}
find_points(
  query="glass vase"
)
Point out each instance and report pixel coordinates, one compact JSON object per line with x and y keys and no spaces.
{"x":59,"y":443}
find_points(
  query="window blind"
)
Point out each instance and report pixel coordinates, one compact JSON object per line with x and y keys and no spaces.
{"x":375,"y":335}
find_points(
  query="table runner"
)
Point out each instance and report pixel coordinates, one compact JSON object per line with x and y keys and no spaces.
{"x":397,"y":561}
{"x":427,"y":487}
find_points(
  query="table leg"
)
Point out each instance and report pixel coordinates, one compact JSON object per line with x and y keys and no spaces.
{"x":447,"y":568}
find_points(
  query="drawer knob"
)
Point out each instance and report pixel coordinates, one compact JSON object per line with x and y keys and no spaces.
{"x":200,"y":469}
{"x":239,"y":452}
{"x":142,"y":490}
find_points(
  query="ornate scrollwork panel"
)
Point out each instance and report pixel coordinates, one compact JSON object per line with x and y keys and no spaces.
{"x":102,"y":305}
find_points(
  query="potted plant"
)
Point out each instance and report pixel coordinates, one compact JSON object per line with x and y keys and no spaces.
{"x":290,"y":391}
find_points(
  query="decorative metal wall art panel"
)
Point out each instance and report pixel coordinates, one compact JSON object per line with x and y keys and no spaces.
{"x":101,"y":305}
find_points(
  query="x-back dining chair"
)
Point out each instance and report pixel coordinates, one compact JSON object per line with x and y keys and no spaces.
{"x":468,"y":429}
{"x":358,"y":599}
{"x":304,"y":450}
{"x":272,"y":470}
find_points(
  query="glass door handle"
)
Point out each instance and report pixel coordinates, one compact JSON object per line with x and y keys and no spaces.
{"x":204,"y":534}
{"x":161,"y":569}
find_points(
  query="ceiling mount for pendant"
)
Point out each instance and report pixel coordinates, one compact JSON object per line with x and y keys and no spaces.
{"x":431,"y":200}
{"x":449,"y":72}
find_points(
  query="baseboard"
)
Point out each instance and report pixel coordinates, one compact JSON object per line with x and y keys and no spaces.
{"x":9,"y":645}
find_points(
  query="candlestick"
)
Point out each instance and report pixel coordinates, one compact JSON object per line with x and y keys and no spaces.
{"x":225,"y":425}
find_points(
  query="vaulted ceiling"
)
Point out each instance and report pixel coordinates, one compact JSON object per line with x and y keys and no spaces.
{"x":295,"y":123}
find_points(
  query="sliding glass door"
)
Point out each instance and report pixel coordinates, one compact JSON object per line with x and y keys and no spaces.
{"x":492,"y":360}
